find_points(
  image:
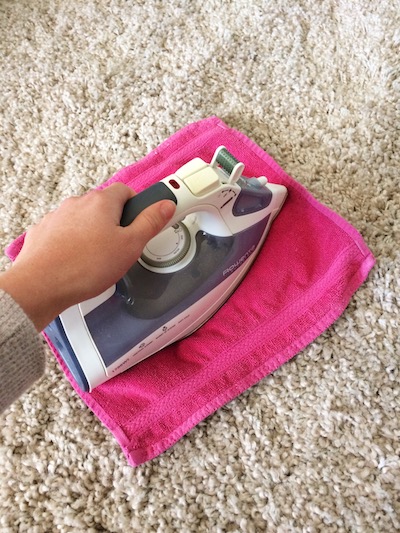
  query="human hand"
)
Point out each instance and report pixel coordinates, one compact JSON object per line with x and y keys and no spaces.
{"x":79,"y":250}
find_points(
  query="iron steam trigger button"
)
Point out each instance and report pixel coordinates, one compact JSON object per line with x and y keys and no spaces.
{"x":190,"y":168}
{"x":202,"y":182}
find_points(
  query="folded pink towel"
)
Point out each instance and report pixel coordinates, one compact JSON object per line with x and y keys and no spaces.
{"x":306,"y":272}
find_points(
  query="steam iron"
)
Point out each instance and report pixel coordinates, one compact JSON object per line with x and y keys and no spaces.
{"x":184,"y":274}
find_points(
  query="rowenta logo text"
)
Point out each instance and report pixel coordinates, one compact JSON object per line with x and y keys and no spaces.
{"x":239,"y":262}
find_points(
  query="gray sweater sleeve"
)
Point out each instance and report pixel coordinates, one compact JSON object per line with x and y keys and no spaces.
{"x":22,"y":354}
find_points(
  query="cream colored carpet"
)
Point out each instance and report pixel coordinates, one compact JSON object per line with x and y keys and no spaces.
{"x":87,"y":87}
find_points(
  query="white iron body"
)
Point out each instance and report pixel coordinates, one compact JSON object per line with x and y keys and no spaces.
{"x":184,"y":275}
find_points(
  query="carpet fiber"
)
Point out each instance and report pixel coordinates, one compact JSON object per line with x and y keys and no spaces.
{"x":89,"y":87}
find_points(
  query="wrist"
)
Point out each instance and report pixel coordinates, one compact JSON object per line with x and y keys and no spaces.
{"x":29,"y":291}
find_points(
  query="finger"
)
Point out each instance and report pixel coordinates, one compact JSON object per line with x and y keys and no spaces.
{"x":151,"y":221}
{"x":119,"y":192}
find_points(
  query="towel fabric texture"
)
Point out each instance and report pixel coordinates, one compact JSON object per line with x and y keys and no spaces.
{"x":302,"y":280}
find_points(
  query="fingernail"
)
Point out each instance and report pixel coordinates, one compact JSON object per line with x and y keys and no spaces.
{"x":167,"y":209}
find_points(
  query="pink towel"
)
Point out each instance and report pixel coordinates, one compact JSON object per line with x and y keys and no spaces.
{"x":303,"y":279}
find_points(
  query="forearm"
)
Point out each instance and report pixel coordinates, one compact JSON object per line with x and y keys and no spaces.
{"x":22,"y":356}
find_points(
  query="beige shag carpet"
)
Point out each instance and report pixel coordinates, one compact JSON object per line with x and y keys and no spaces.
{"x":87,"y":87}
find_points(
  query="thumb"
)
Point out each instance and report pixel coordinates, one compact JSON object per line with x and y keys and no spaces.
{"x":151,"y":221}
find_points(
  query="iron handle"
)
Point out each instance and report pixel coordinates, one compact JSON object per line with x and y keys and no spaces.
{"x":151,"y":195}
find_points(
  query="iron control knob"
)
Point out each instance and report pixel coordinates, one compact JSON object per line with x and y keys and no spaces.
{"x":168,"y":247}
